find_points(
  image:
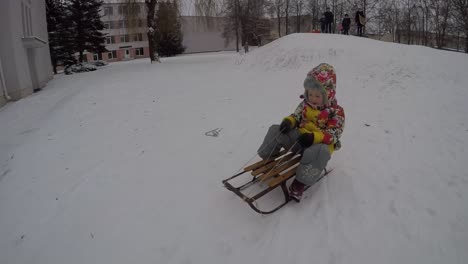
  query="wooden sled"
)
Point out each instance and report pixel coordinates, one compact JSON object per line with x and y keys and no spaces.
{"x":274,"y":173}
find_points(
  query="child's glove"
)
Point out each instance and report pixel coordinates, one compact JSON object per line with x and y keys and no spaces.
{"x":306,"y":140}
{"x":285,"y":126}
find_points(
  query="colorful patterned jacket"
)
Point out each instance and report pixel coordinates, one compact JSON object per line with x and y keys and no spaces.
{"x":326,"y":123}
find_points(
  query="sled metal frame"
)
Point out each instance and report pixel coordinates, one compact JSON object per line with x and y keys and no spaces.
{"x":273,"y":172}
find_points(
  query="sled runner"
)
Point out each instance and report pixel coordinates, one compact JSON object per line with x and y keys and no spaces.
{"x":268,"y":175}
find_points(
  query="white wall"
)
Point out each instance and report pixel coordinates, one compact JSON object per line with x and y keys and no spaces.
{"x":204,"y":34}
{"x":14,"y":55}
{"x":43,"y":62}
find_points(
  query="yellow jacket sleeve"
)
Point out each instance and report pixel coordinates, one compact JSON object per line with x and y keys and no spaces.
{"x":318,"y":137}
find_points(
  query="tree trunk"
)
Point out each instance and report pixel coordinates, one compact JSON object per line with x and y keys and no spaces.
{"x":278,"y":15}
{"x":287,"y":17}
{"x":150,"y":21}
{"x":237,"y":24}
{"x":409,"y":26}
{"x":298,"y":19}
{"x":466,"y":41}
{"x":54,"y":66}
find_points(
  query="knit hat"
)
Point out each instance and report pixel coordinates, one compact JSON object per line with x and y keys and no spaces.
{"x":325,"y":75}
{"x":310,"y":83}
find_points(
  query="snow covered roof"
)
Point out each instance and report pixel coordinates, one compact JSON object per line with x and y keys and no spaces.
{"x":120,"y":1}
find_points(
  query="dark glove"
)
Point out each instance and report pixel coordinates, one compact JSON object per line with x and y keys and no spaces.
{"x":306,"y":140}
{"x":285,"y":126}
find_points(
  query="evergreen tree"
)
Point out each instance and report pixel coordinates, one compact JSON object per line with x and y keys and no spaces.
{"x":60,"y":44}
{"x":86,"y":26}
{"x":168,"y":33}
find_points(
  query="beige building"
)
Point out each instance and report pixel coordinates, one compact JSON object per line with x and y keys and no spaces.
{"x":127,"y":41}
{"x":25,"y":64}
{"x":123,"y":41}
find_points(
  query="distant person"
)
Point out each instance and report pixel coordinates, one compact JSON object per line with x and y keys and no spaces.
{"x":360,"y":21}
{"x":328,"y":20}
{"x":323,"y":23}
{"x":346,"y":24}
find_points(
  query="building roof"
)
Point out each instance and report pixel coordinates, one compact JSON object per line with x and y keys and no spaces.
{"x":120,"y":1}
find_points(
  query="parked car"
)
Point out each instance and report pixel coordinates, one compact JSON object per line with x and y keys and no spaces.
{"x":99,"y":63}
{"x":79,"y":67}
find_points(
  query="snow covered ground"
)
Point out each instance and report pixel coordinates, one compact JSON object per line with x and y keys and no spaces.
{"x":113,"y":166}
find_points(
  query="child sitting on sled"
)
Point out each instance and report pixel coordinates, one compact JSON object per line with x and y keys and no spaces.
{"x":314,"y":129}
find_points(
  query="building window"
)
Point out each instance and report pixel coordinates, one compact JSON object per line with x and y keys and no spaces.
{"x":139,"y":52}
{"x":112,"y":55}
{"x":136,"y":9}
{"x":97,"y":56}
{"x":138,"y":37}
{"x":122,"y":23}
{"x":23,"y":19}
{"x":110,"y":40}
{"x":123,"y":10}
{"x":26,"y":18}
{"x":107,"y":25}
{"x":124,"y":38}
{"x":140,"y":23}
{"x":108,"y":11}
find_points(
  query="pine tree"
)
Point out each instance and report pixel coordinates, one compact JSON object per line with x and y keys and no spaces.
{"x":169,"y":34}
{"x":86,"y":26}
{"x":60,"y":44}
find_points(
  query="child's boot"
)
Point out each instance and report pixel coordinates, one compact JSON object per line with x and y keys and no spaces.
{"x":295,"y":190}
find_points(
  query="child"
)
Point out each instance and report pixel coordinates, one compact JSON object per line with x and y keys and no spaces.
{"x":323,"y":22}
{"x":346,"y":23}
{"x":313,"y":129}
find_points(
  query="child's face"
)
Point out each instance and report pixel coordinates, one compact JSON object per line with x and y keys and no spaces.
{"x":315,"y":97}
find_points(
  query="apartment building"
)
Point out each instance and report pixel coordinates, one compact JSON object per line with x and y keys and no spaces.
{"x":127,"y":42}
{"x":123,"y":41}
{"x":24,"y":51}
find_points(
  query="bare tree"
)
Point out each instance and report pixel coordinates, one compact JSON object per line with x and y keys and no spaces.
{"x":279,"y":10}
{"x":286,"y":13}
{"x":460,"y":11}
{"x":151,"y":6}
{"x":298,"y":11}
{"x":424,"y":7}
{"x":257,"y":25}
{"x":440,"y":10}
{"x":313,"y":9}
{"x":131,"y":13}
{"x":232,"y":11}
{"x":207,"y":8}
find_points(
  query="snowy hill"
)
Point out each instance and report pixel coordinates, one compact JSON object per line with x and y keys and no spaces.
{"x":113,"y":166}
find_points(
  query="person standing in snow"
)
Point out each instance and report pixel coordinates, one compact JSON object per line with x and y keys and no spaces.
{"x":346,"y":23}
{"x":328,"y":20}
{"x":323,"y":23}
{"x":314,"y":129}
{"x":360,"y":21}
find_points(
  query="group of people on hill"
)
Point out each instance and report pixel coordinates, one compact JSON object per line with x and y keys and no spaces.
{"x":326,"y":22}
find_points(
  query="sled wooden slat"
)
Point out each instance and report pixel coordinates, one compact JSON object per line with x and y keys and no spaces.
{"x":280,"y":168}
{"x":283,"y":177}
{"x":259,"y":164}
{"x":264,"y":168}
{"x":271,"y":165}
{"x":273,"y":177}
